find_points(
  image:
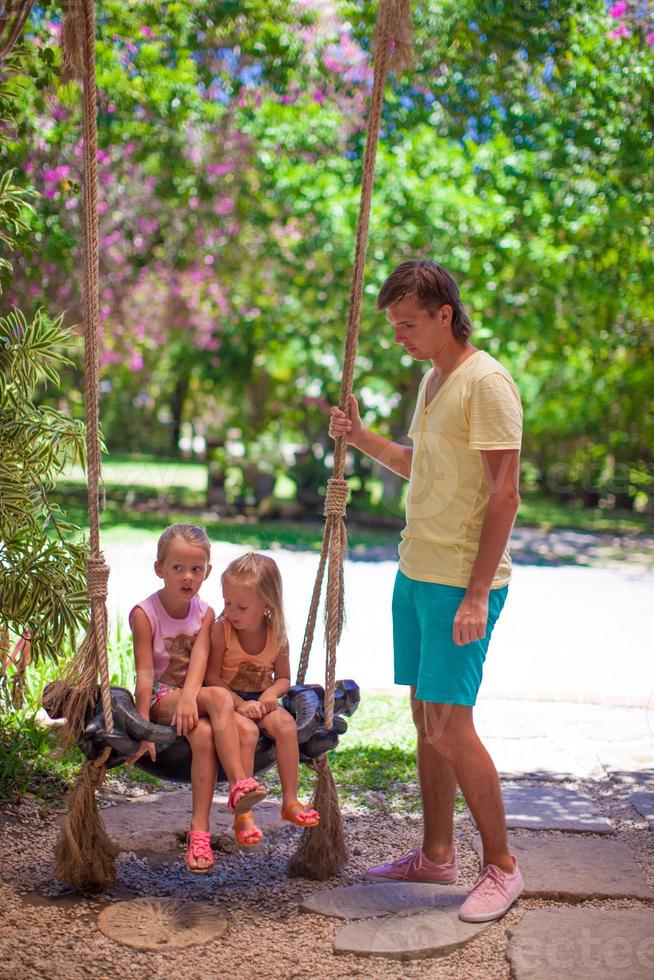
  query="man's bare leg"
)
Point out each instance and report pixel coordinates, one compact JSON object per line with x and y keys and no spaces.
{"x":437,"y":790}
{"x":449,"y":730}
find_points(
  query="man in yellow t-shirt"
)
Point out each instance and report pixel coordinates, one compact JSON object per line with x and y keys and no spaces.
{"x":452,"y":581}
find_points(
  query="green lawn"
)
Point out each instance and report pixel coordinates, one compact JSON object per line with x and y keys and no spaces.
{"x":155,"y":474}
{"x":144,"y":495}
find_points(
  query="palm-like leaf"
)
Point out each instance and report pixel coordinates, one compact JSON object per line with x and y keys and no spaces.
{"x":42,"y":559}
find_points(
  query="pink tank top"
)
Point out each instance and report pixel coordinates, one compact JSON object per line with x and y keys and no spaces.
{"x":172,"y":639}
{"x":243,"y":671}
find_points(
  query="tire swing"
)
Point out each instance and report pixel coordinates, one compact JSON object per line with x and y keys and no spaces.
{"x":106,"y":724}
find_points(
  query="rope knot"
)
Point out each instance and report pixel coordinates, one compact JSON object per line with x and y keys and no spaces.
{"x":98,"y":577}
{"x":336,"y":498}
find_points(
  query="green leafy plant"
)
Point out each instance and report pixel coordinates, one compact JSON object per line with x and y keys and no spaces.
{"x":42,"y":555}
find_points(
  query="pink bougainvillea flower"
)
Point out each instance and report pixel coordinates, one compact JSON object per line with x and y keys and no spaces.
{"x":217,"y":169}
{"x":147,"y":32}
{"x":620,"y":31}
{"x":650,"y":38}
{"x":618,"y":9}
{"x":224,"y":205}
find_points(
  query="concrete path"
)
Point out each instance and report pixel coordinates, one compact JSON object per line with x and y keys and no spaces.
{"x":566,"y":633}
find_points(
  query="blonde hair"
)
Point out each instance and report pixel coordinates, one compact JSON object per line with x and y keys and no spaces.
{"x":262,"y":574}
{"x":189,"y":533}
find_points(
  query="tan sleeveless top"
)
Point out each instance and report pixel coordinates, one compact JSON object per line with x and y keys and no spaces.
{"x":243,"y":671}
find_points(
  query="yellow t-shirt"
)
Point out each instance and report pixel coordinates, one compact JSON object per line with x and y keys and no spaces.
{"x":477,"y":408}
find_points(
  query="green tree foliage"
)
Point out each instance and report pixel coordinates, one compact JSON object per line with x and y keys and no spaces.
{"x":42,"y":570}
{"x":517,"y":152}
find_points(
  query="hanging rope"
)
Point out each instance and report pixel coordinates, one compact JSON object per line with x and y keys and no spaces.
{"x":322,"y":852}
{"x":85,"y":857}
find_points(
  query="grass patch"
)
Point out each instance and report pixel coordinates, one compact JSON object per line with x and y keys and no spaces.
{"x":31,"y":761}
{"x":145,"y":471}
{"x":133,"y":511}
{"x":376,"y":755}
{"x":378,"y":752}
{"x":122,"y":522}
{"x":543,"y":512}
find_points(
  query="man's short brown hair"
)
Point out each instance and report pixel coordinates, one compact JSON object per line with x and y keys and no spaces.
{"x":432,"y":286}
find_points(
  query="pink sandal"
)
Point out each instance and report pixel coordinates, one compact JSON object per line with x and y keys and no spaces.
{"x":301,"y":816}
{"x":246,"y":836}
{"x":245,"y":794}
{"x":199,"y":846}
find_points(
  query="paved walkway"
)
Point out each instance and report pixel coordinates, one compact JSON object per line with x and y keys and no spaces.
{"x":566,"y":633}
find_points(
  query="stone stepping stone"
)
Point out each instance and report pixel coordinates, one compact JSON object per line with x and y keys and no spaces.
{"x":644,"y":803}
{"x":576,"y":867}
{"x":151,"y":824}
{"x":552,"y":808}
{"x":162,"y":923}
{"x":633,"y":777}
{"x":382,"y":898}
{"x":582,"y":944}
{"x":410,"y":935}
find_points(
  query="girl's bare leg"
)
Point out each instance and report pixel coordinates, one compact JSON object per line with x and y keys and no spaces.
{"x":280,"y":725}
{"x":248,"y":734}
{"x":217,"y":704}
{"x":204,"y":768}
{"x":248,"y":731}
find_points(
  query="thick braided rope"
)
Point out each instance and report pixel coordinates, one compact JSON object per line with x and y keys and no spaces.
{"x":80,"y":56}
{"x":335,"y":506}
{"x":12,"y":21}
{"x":382,"y":51}
{"x":392,"y":44}
{"x":338,"y":540}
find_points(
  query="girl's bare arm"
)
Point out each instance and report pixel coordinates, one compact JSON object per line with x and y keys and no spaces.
{"x":142,"y":639}
{"x":199,"y":659}
{"x":186,"y":714}
{"x":281,"y":677}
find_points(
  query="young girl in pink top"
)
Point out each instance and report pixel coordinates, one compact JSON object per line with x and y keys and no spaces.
{"x":249,"y":657}
{"x":171,"y":631}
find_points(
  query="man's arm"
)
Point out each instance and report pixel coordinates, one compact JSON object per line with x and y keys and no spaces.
{"x":392,"y":455}
{"x":502,"y":471}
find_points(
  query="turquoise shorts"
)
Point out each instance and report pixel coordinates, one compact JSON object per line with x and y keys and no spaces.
{"x":426,"y":656}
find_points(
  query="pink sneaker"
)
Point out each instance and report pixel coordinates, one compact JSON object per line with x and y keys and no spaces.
{"x":415,"y":867}
{"x":493,"y":894}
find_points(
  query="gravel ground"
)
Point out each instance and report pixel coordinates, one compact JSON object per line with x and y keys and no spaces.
{"x":45,"y":932}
